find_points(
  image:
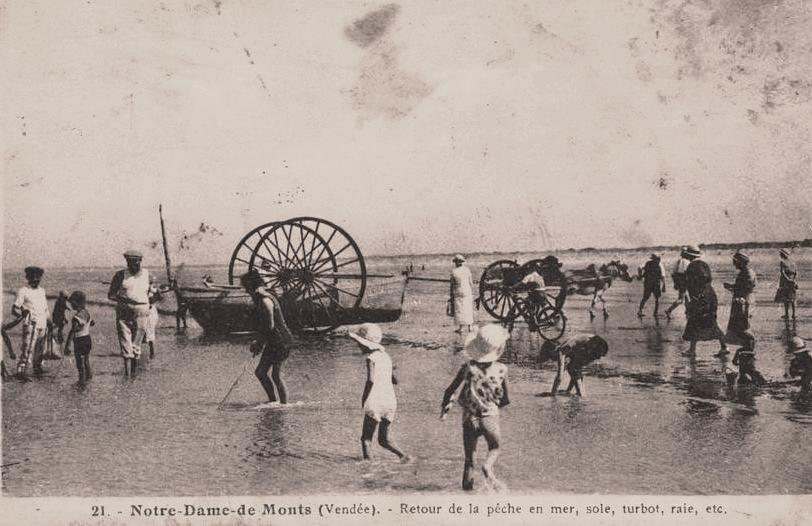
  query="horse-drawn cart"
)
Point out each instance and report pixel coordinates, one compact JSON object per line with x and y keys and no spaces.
{"x":534,"y":291}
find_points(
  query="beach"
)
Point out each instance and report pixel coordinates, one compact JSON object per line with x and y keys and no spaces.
{"x":656,"y":420}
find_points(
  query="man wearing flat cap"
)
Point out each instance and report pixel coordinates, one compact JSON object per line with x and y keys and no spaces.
{"x":130,"y":290}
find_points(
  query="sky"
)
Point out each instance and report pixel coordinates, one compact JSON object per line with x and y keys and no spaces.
{"x":420,"y":127}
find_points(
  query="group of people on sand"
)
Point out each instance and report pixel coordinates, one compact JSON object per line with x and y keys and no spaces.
{"x":480,"y":385}
{"x":692,"y":279}
{"x":135,"y":295}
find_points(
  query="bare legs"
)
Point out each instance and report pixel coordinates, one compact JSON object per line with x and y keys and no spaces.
{"x":274,"y":383}
{"x":472,"y":428}
{"x":368,"y":431}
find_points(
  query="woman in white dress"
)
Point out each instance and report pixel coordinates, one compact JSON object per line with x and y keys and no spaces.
{"x":462,"y":294}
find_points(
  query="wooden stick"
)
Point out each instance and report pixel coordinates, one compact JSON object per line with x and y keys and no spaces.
{"x":166,"y":245}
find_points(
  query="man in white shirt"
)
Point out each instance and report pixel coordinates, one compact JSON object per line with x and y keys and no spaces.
{"x":130,"y":290}
{"x":32,"y":305}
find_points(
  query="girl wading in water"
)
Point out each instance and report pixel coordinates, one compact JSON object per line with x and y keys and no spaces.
{"x":274,"y":337}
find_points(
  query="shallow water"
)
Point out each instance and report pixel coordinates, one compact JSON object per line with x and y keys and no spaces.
{"x":655,"y":420}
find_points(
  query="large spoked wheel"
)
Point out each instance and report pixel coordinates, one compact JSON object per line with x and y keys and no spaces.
{"x":494,"y":289}
{"x":314,"y":265}
{"x":554,"y":279}
{"x":550,"y":322}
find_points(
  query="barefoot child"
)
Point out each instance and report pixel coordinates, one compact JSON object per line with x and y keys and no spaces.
{"x":378,"y":399}
{"x":572,"y":355}
{"x":801,"y":364}
{"x":745,"y":358}
{"x":484,"y":391}
{"x":80,"y":334}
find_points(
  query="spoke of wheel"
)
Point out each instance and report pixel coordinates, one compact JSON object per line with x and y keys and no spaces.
{"x":270,"y":262}
{"x":338,"y":289}
{"x":270,"y":252}
{"x":279,"y":250}
{"x":313,"y":245}
{"x":338,"y":303}
{"x":275,"y":243}
{"x":325,"y":245}
{"x":303,"y":233}
{"x":306,"y":231}
{"x":320,"y":264}
{"x":318,"y":297}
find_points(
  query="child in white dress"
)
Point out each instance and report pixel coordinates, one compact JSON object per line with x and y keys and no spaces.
{"x":378,"y":400}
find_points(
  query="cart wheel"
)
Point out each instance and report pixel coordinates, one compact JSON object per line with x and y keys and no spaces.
{"x":554,"y":279}
{"x":494,"y":293}
{"x":314,"y":265}
{"x":550,"y":322}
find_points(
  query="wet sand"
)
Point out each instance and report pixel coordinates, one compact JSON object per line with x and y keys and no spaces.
{"x":656,"y":420}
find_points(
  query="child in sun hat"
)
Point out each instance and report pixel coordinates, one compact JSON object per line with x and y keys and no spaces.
{"x":801,"y":364}
{"x":745,"y":358}
{"x":378,"y":400}
{"x":572,"y":356}
{"x":484,"y":391}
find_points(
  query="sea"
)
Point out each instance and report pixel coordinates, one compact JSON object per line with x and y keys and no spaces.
{"x":655,"y":419}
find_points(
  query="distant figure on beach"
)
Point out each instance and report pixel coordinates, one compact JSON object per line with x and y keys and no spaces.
{"x":60,"y":316}
{"x":702,"y":306}
{"x":182,"y":307}
{"x":787,"y":283}
{"x":462,"y":294}
{"x":484,"y":391}
{"x":653,"y":275}
{"x":678,"y":277}
{"x":80,"y":334}
{"x":129,"y":288}
{"x":31,"y":305}
{"x":274,"y":337}
{"x":378,"y":399}
{"x":742,"y":289}
{"x":801,"y":364}
{"x":154,"y":295}
{"x":745,"y":358}
{"x":572,"y":356}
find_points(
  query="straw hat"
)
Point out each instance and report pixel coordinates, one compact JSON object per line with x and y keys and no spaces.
{"x":692,"y":251}
{"x":133,"y":254}
{"x":741,"y":256}
{"x":488,"y":344}
{"x":784,"y":252}
{"x":458,"y":257}
{"x":797,"y":344}
{"x":369,"y":335}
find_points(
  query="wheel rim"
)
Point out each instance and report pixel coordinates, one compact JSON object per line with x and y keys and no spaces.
{"x":494,"y":294}
{"x":550,"y":323}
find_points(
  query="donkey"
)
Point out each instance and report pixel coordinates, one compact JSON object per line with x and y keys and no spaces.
{"x":595,"y":281}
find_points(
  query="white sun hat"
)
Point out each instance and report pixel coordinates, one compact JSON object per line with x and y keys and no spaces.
{"x":369,"y":335}
{"x":488,"y":344}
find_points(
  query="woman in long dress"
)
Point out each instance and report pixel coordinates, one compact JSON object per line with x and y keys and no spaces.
{"x":462,"y":295}
{"x":742,"y":290}
{"x":702,"y":303}
{"x":787,"y":284}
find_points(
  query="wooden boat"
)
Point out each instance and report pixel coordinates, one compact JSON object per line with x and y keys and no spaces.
{"x":315,"y":268}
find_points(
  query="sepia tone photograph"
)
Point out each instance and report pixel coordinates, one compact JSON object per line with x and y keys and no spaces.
{"x":421,"y":248}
